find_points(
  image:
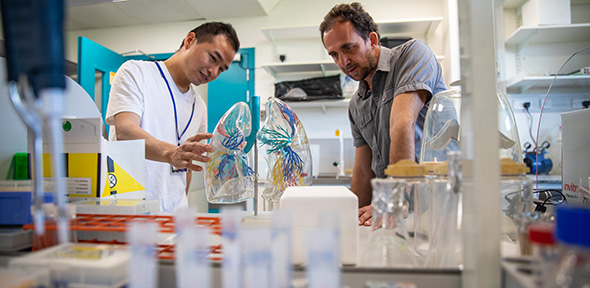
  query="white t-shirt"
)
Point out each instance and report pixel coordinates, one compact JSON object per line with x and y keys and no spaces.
{"x":139,"y":87}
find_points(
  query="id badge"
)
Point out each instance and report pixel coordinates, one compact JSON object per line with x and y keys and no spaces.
{"x":177,"y":170}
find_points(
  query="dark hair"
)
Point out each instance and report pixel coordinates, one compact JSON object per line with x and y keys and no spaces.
{"x":359,"y":18}
{"x":206,"y":31}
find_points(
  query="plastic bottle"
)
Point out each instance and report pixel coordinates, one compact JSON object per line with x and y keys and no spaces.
{"x":545,"y":253}
{"x":349,"y":86}
{"x":573,"y":268}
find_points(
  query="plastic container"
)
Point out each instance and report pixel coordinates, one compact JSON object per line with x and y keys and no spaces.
{"x":516,"y":192}
{"x":118,"y":207}
{"x":12,"y":240}
{"x":79,"y":265}
{"x":573,"y":235}
{"x":545,"y":253}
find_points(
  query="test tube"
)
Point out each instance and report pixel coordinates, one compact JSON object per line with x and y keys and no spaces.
{"x":231,"y":218}
{"x":281,"y":270}
{"x":192,"y":250}
{"x":256,"y":257}
{"x":323,"y":262}
{"x":142,"y":267}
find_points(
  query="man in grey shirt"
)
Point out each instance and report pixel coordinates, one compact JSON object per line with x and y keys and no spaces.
{"x":387,"y":112}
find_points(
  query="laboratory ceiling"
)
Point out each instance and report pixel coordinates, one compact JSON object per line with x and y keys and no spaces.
{"x":97,"y":14}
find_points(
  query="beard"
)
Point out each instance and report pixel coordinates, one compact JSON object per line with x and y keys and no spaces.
{"x":363,"y":71}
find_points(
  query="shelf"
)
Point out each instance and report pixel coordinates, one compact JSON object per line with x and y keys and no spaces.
{"x":550,"y":34}
{"x":542,"y":82}
{"x":321,"y":104}
{"x":420,"y":26}
{"x":325,"y":67}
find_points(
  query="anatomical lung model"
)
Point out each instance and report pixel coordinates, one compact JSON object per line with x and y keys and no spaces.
{"x":229,"y":177}
{"x":284,"y":145}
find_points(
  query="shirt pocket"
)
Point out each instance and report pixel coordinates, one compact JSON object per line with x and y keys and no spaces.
{"x":367,"y":128}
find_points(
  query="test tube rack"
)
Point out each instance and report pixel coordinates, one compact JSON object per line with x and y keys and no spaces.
{"x":119,"y":223}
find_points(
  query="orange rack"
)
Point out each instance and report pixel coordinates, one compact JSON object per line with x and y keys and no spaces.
{"x":119,"y":223}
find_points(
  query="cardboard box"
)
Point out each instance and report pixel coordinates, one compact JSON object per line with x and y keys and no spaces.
{"x":546,"y":12}
{"x":575,"y":155}
{"x":95,"y":167}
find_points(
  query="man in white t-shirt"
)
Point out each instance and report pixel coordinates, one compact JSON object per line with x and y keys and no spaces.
{"x":155,"y":101}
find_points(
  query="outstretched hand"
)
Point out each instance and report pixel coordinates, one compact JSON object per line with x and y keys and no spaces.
{"x":192,"y":149}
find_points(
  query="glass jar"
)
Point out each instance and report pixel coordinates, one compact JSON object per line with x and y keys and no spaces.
{"x":573,"y":235}
{"x":446,"y":206}
{"x":517,"y":203}
{"x":418,"y":193}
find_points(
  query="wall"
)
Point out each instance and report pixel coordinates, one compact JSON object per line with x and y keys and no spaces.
{"x":13,"y":130}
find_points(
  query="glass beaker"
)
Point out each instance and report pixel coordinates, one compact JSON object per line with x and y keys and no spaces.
{"x":388,"y":245}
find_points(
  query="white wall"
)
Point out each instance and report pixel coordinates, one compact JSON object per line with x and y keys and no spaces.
{"x":13,"y":130}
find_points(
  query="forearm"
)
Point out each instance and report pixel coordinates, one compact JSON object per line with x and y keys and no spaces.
{"x":361,"y":186}
{"x":402,"y":140}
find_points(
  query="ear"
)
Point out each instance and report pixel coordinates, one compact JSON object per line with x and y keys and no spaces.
{"x":190,"y":39}
{"x":374,"y":39}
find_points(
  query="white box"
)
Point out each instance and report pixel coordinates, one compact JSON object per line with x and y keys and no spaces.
{"x":307,"y":202}
{"x":546,"y":12}
{"x":575,"y":155}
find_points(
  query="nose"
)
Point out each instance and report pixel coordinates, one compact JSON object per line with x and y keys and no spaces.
{"x":343,"y":60}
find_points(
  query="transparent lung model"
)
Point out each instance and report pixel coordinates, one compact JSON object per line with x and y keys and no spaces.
{"x":229,"y":177}
{"x":284,"y":145}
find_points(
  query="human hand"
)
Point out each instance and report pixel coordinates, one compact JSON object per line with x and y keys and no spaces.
{"x":192,"y":149}
{"x":365,"y":214}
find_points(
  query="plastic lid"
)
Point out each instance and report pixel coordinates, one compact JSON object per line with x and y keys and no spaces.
{"x":572,"y":224}
{"x":510,"y":167}
{"x":542,"y":233}
{"x":405,"y":167}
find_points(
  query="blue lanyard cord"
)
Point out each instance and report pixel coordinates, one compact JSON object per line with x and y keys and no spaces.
{"x":178,"y":135}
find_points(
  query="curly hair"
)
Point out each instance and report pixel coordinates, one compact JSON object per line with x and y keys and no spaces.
{"x":205,"y":32}
{"x":359,"y":18}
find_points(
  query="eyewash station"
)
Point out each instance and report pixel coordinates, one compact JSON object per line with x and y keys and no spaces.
{"x":467,"y":214}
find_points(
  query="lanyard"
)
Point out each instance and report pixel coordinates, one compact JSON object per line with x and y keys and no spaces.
{"x":178,"y":134}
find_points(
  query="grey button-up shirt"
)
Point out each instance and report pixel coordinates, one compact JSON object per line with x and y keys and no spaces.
{"x":409,"y":67}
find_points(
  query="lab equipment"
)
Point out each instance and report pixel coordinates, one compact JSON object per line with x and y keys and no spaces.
{"x":418,"y":194}
{"x":545,"y":253}
{"x":33,"y":32}
{"x":229,"y":177}
{"x":516,"y":192}
{"x":535,"y":160}
{"x":231,"y":267}
{"x":442,"y":127}
{"x":256,"y":257}
{"x":323,"y":263}
{"x":283,"y":142}
{"x":192,"y":250}
{"x":79,"y":265}
{"x":574,"y":236}
{"x":307,"y":204}
{"x":446,"y":241}
{"x":281,"y":251}
{"x":388,"y":240}
{"x":142,"y":265}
